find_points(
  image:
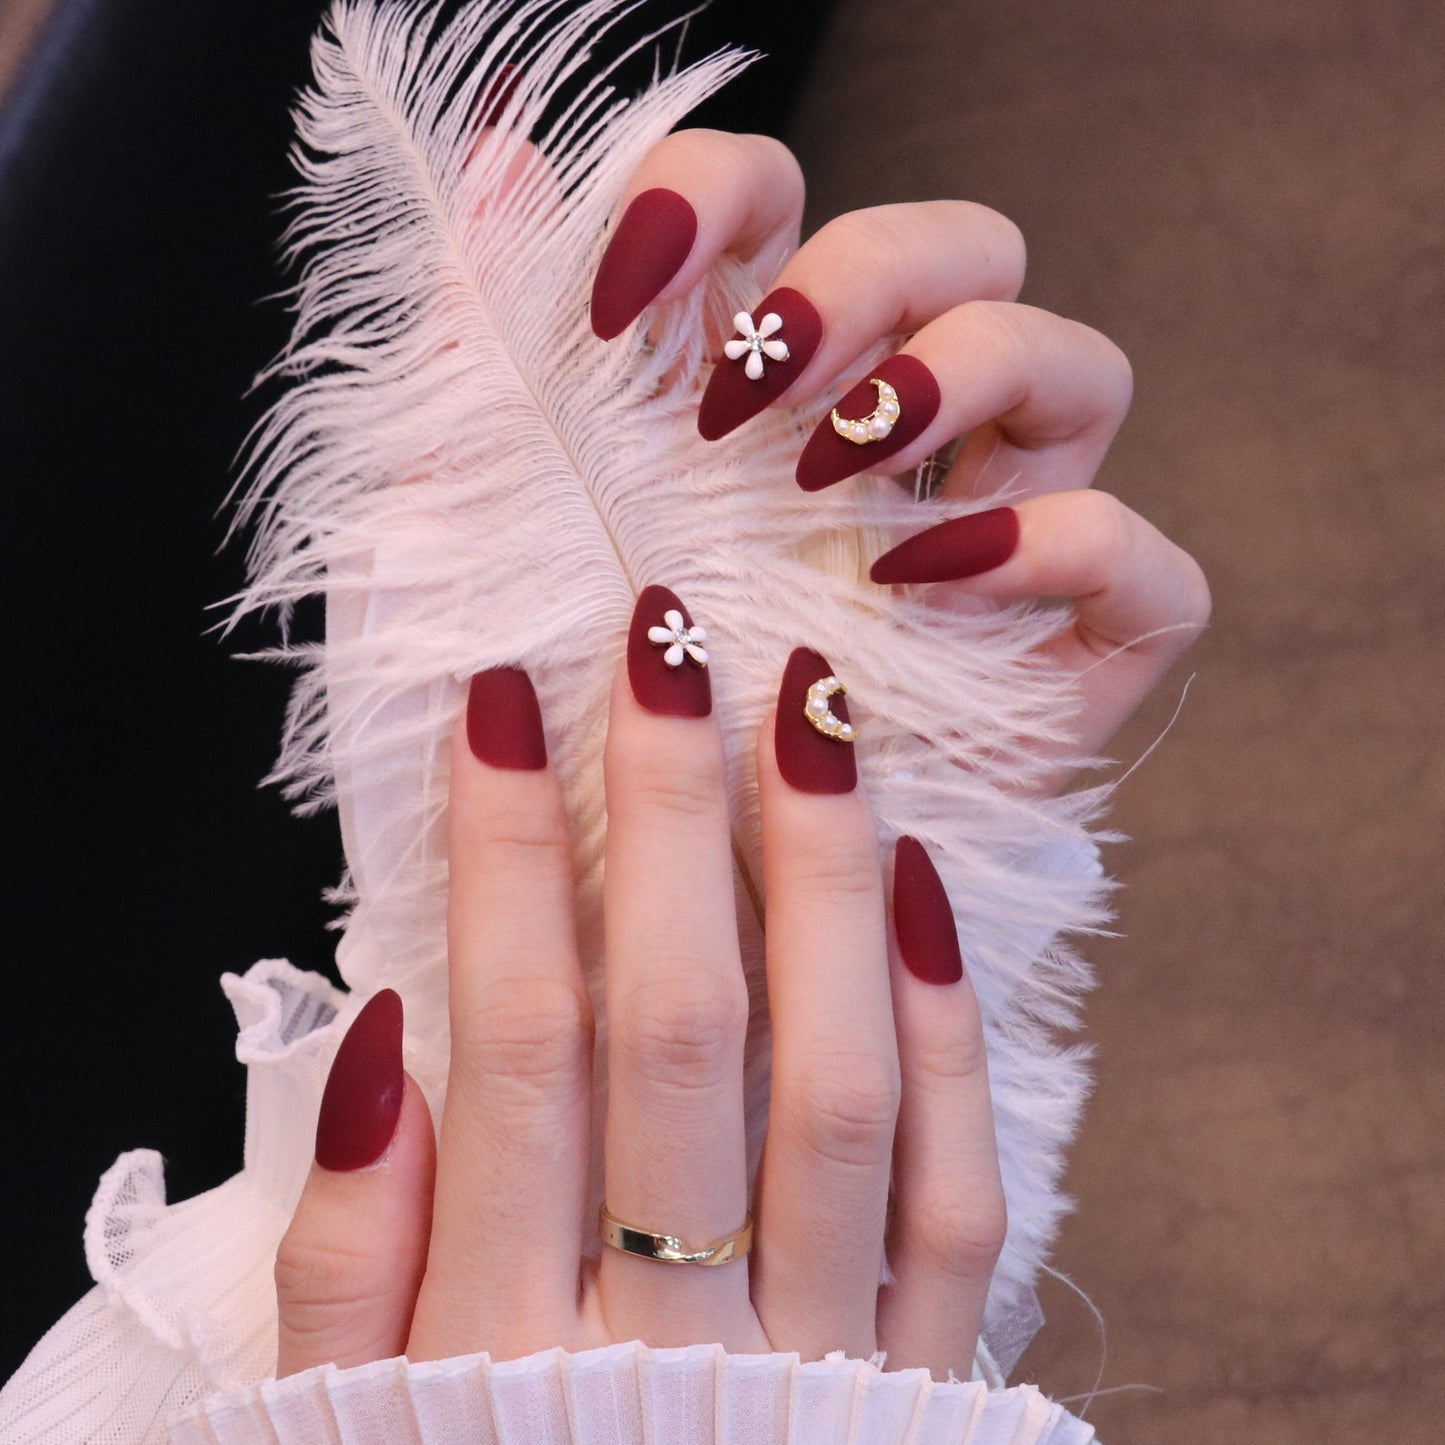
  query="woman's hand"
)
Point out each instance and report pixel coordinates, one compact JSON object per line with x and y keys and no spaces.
{"x":879,"y":1066}
{"x":1036,"y":398}
{"x":879,"y":1070}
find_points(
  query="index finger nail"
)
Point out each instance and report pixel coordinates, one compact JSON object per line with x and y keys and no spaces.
{"x":646,"y":251}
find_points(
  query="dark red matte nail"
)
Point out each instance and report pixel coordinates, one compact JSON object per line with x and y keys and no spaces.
{"x":666,"y":657}
{"x":828,"y":457}
{"x":960,"y":547}
{"x":497,"y":93}
{"x":732,"y":396}
{"x":809,"y":759}
{"x":364,"y":1090}
{"x":646,"y":251}
{"x":923,"y":916}
{"x":504,"y":723}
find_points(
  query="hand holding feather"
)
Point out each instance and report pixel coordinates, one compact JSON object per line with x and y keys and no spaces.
{"x":443,"y":340}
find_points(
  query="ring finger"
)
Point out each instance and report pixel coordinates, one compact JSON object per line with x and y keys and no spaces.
{"x":823,"y":1185}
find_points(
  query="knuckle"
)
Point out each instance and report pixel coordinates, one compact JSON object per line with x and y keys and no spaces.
{"x":950,"y":1063}
{"x":519,"y":839}
{"x":535,"y":1032}
{"x":847,"y":870}
{"x":686,"y":1032}
{"x":1003,"y":245}
{"x":782,"y":168}
{"x":960,"y":1231}
{"x":692,"y":795}
{"x":998,"y":333}
{"x":1116,"y":372}
{"x":648,"y":777}
{"x":1198,"y":603}
{"x":844,"y":1109}
{"x":318,"y":1278}
{"x":1106,"y":524}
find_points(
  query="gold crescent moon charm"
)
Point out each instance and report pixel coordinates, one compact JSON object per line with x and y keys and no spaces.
{"x":822,"y":716}
{"x":877,"y":424}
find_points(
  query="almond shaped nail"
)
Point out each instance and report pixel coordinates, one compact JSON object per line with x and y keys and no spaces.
{"x":504,"y":721}
{"x":808,"y":759}
{"x":960,"y":547}
{"x":829,"y":458}
{"x":923,"y":916}
{"x":362,"y":1101}
{"x":667,"y":656}
{"x":733,"y":396}
{"x":646,"y":251}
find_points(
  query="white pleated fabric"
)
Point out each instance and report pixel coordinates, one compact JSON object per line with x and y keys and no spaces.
{"x":627,"y":1395}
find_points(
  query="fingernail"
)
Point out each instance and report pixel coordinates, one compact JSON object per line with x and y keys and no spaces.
{"x":960,"y":547}
{"x":808,"y":758}
{"x":733,"y":395}
{"x":829,"y":458}
{"x":646,"y":251}
{"x":923,"y":916}
{"x":504,"y":723}
{"x":364,"y":1090}
{"x":667,"y":657}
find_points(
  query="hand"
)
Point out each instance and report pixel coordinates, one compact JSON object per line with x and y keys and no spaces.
{"x":1037,"y":397}
{"x":878,"y":1069}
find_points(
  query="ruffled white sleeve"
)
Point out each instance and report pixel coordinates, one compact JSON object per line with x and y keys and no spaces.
{"x":627,"y":1395}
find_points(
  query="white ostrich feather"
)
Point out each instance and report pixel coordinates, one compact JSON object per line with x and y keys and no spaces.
{"x":471,"y":478}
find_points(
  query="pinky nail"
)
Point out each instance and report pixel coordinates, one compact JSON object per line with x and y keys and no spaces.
{"x":646,"y":251}
{"x":504,"y":722}
{"x":364,"y":1090}
{"x":923,"y":916}
{"x":961,"y":547}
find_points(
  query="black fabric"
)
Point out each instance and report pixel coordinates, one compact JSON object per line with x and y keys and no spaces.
{"x":142,"y":148}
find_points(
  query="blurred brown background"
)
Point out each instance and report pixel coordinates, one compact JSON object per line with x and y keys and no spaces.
{"x":1250,"y":199}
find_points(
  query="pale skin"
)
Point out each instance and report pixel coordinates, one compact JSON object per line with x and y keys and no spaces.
{"x":880,"y":1081}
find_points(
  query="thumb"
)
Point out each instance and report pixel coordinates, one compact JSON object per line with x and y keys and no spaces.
{"x":351,"y":1262}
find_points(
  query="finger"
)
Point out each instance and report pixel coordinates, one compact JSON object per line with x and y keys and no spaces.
{"x":862,"y":278}
{"x":699,"y":194}
{"x":1049,"y":395}
{"x":350,"y":1264}
{"x":823,"y":1185}
{"x":677,"y":1004}
{"x":1139,"y":600}
{"x":511,"y":1179}
{"x":949,"y":1215}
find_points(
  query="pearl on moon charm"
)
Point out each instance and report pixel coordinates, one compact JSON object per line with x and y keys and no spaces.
{"x":679,"y":639}
{"x":756,"y":342}
{"x":877,"y":424}
{"x":818,"y":712}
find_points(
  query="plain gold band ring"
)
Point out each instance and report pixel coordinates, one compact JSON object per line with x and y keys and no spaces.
{"x":668,"y":1248}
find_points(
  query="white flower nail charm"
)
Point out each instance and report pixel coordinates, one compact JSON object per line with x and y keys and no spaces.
{"x":679,"y":640}
{"x":755,"y":343}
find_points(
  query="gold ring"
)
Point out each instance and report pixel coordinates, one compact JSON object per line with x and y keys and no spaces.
{"x":668,"y":1248}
